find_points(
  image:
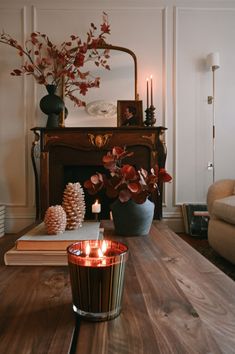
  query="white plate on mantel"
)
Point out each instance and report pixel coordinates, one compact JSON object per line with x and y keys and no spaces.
{"x":102,"y":109}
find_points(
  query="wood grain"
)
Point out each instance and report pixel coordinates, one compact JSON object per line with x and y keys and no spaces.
{"x":170,"y":305}
{"x":35,"y":308}
{"x":175,"y":301}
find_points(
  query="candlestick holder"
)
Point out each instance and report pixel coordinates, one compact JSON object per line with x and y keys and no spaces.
{"x":150,"y":119}
{"x":96,"y":216}
{"x":97,"y":270}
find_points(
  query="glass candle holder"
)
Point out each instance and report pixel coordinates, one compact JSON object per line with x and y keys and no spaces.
{"x":97,"y":270}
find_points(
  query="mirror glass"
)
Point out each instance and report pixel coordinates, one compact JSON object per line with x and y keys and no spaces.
{"x":118,"y":83}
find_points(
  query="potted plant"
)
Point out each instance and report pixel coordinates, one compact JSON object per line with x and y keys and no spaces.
{"x":132,"y":210}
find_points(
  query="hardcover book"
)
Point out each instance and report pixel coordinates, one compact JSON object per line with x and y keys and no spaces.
{"x":37,"y":238}
{"x":197,"y":217}
{"x":37,"y":248}
{"x":50,"y":258}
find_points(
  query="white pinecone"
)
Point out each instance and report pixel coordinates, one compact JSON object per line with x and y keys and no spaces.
{"x":74,"y":205}
{"x":55,"y":220}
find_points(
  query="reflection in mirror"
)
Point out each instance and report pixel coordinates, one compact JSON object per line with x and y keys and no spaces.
{"x":118,"y":83}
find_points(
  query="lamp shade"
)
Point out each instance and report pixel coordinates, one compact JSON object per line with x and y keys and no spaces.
{"x":213,"y":60}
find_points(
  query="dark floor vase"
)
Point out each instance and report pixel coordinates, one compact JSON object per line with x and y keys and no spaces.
{"x":52,"y":105}
{"x":132,"y":219}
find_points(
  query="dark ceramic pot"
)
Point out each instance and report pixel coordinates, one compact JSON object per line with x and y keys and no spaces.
{"x":132,"y":219}
{"x":52,"y":105}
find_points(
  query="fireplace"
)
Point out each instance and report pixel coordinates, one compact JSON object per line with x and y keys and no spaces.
{"x":74,"y":154}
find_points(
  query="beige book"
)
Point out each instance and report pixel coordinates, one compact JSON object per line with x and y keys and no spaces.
{"x":50,"y":258}
{"x":37,"y":238}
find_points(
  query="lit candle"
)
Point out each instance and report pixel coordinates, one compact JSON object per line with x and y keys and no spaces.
{"x":96,"y":270}
{"x":147,"y":93}
{"x":96,"y":207}
{"x":151,"y":89}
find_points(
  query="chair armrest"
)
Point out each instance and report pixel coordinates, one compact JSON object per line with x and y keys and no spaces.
{"x":220,"y":189}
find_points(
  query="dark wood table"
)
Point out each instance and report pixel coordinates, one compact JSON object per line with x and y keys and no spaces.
{"x":175,"y":301}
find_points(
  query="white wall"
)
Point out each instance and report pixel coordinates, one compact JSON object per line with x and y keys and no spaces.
{"x":171,"y":40}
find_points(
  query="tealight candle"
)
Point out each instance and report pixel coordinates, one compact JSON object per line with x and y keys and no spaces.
{"x":96,"y":207}
{"x":97,"y":269}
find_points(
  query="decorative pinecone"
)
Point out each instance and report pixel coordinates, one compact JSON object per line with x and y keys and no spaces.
{"x":74,"y":205}
{"x":55,"y":220}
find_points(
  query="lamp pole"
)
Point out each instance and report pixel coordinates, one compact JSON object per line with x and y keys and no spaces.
{"x":213,"y":121}
{"x":213,"y":63}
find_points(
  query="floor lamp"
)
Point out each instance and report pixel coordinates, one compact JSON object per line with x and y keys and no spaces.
{"x":213,"y":63}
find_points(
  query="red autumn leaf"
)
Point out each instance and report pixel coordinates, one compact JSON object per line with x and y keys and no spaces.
{"x":117,"y":151}
{"x":164,"y":176}
{"x":30,"y":68}
{"x":79,"y":60}
{"x":83,"y":88}
{"x":88,"y":184}
{"x":97,"y":178}
{"x":135,"y":187}
{"x":17,"y":72}
{"x":105,"y":27}
{"x":140,"y":197}
{"x":129,"y":172}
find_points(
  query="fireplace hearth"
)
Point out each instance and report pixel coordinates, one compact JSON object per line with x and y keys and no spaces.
{"x":74,"y":154}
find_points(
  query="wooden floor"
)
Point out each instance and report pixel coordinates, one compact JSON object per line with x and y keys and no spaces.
{"x":203,"y":247}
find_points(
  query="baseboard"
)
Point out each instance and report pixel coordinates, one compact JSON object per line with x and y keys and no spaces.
{"x":175,"y":224}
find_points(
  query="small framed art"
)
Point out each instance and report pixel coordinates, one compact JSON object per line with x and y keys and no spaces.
{"x":129,"y":113}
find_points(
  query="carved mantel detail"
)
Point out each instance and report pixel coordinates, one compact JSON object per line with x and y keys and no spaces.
{"x":99,"y":140}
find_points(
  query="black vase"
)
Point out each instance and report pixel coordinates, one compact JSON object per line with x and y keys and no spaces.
{"x":52,"y":105}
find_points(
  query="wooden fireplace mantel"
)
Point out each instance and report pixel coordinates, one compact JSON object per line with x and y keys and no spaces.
{"x":55,"y":150}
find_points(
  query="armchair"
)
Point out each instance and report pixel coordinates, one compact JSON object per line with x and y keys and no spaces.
{"x":221,"y":207}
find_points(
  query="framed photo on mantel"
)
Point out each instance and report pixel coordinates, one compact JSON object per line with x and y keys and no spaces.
{"x":129,"y":113}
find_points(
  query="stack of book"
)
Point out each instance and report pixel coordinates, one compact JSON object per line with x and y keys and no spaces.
{"x":195,"y":217}
{"x":2,"y":220}
{"x":38,"y":248}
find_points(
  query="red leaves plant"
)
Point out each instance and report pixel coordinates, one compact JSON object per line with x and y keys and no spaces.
{"x":125,"y":182}
{"x":48,"y":63}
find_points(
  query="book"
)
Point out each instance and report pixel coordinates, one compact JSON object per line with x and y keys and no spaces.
{"x":197,"y":219}
{"x":185,"y":217}
{"x":50,"y":258}
{"x":37,"y":239}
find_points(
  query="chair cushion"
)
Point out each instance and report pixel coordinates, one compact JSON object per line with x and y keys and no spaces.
{"x":225,"y":209}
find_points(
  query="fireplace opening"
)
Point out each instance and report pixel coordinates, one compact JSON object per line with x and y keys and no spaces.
{"x":80,"y":174}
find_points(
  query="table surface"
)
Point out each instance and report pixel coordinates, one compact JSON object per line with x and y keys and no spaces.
{"x":175,"y":301}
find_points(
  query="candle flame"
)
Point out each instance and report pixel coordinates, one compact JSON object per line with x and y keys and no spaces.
{"x":147,"y":79}
{"x":100,"y":253}
{"x":96,"y":202}
{"x":88,"y":250}
{"x":151,"y":76}
{"x":104,"y":247}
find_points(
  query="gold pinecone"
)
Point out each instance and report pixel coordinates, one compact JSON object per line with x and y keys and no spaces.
{"x":55,"y":220}
{"x":74,"y":205}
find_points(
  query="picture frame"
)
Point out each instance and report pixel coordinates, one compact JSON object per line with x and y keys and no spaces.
{"x":129,"y":113}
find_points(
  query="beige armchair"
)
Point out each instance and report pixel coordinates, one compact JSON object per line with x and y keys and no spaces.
{"x":221,"y":207}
